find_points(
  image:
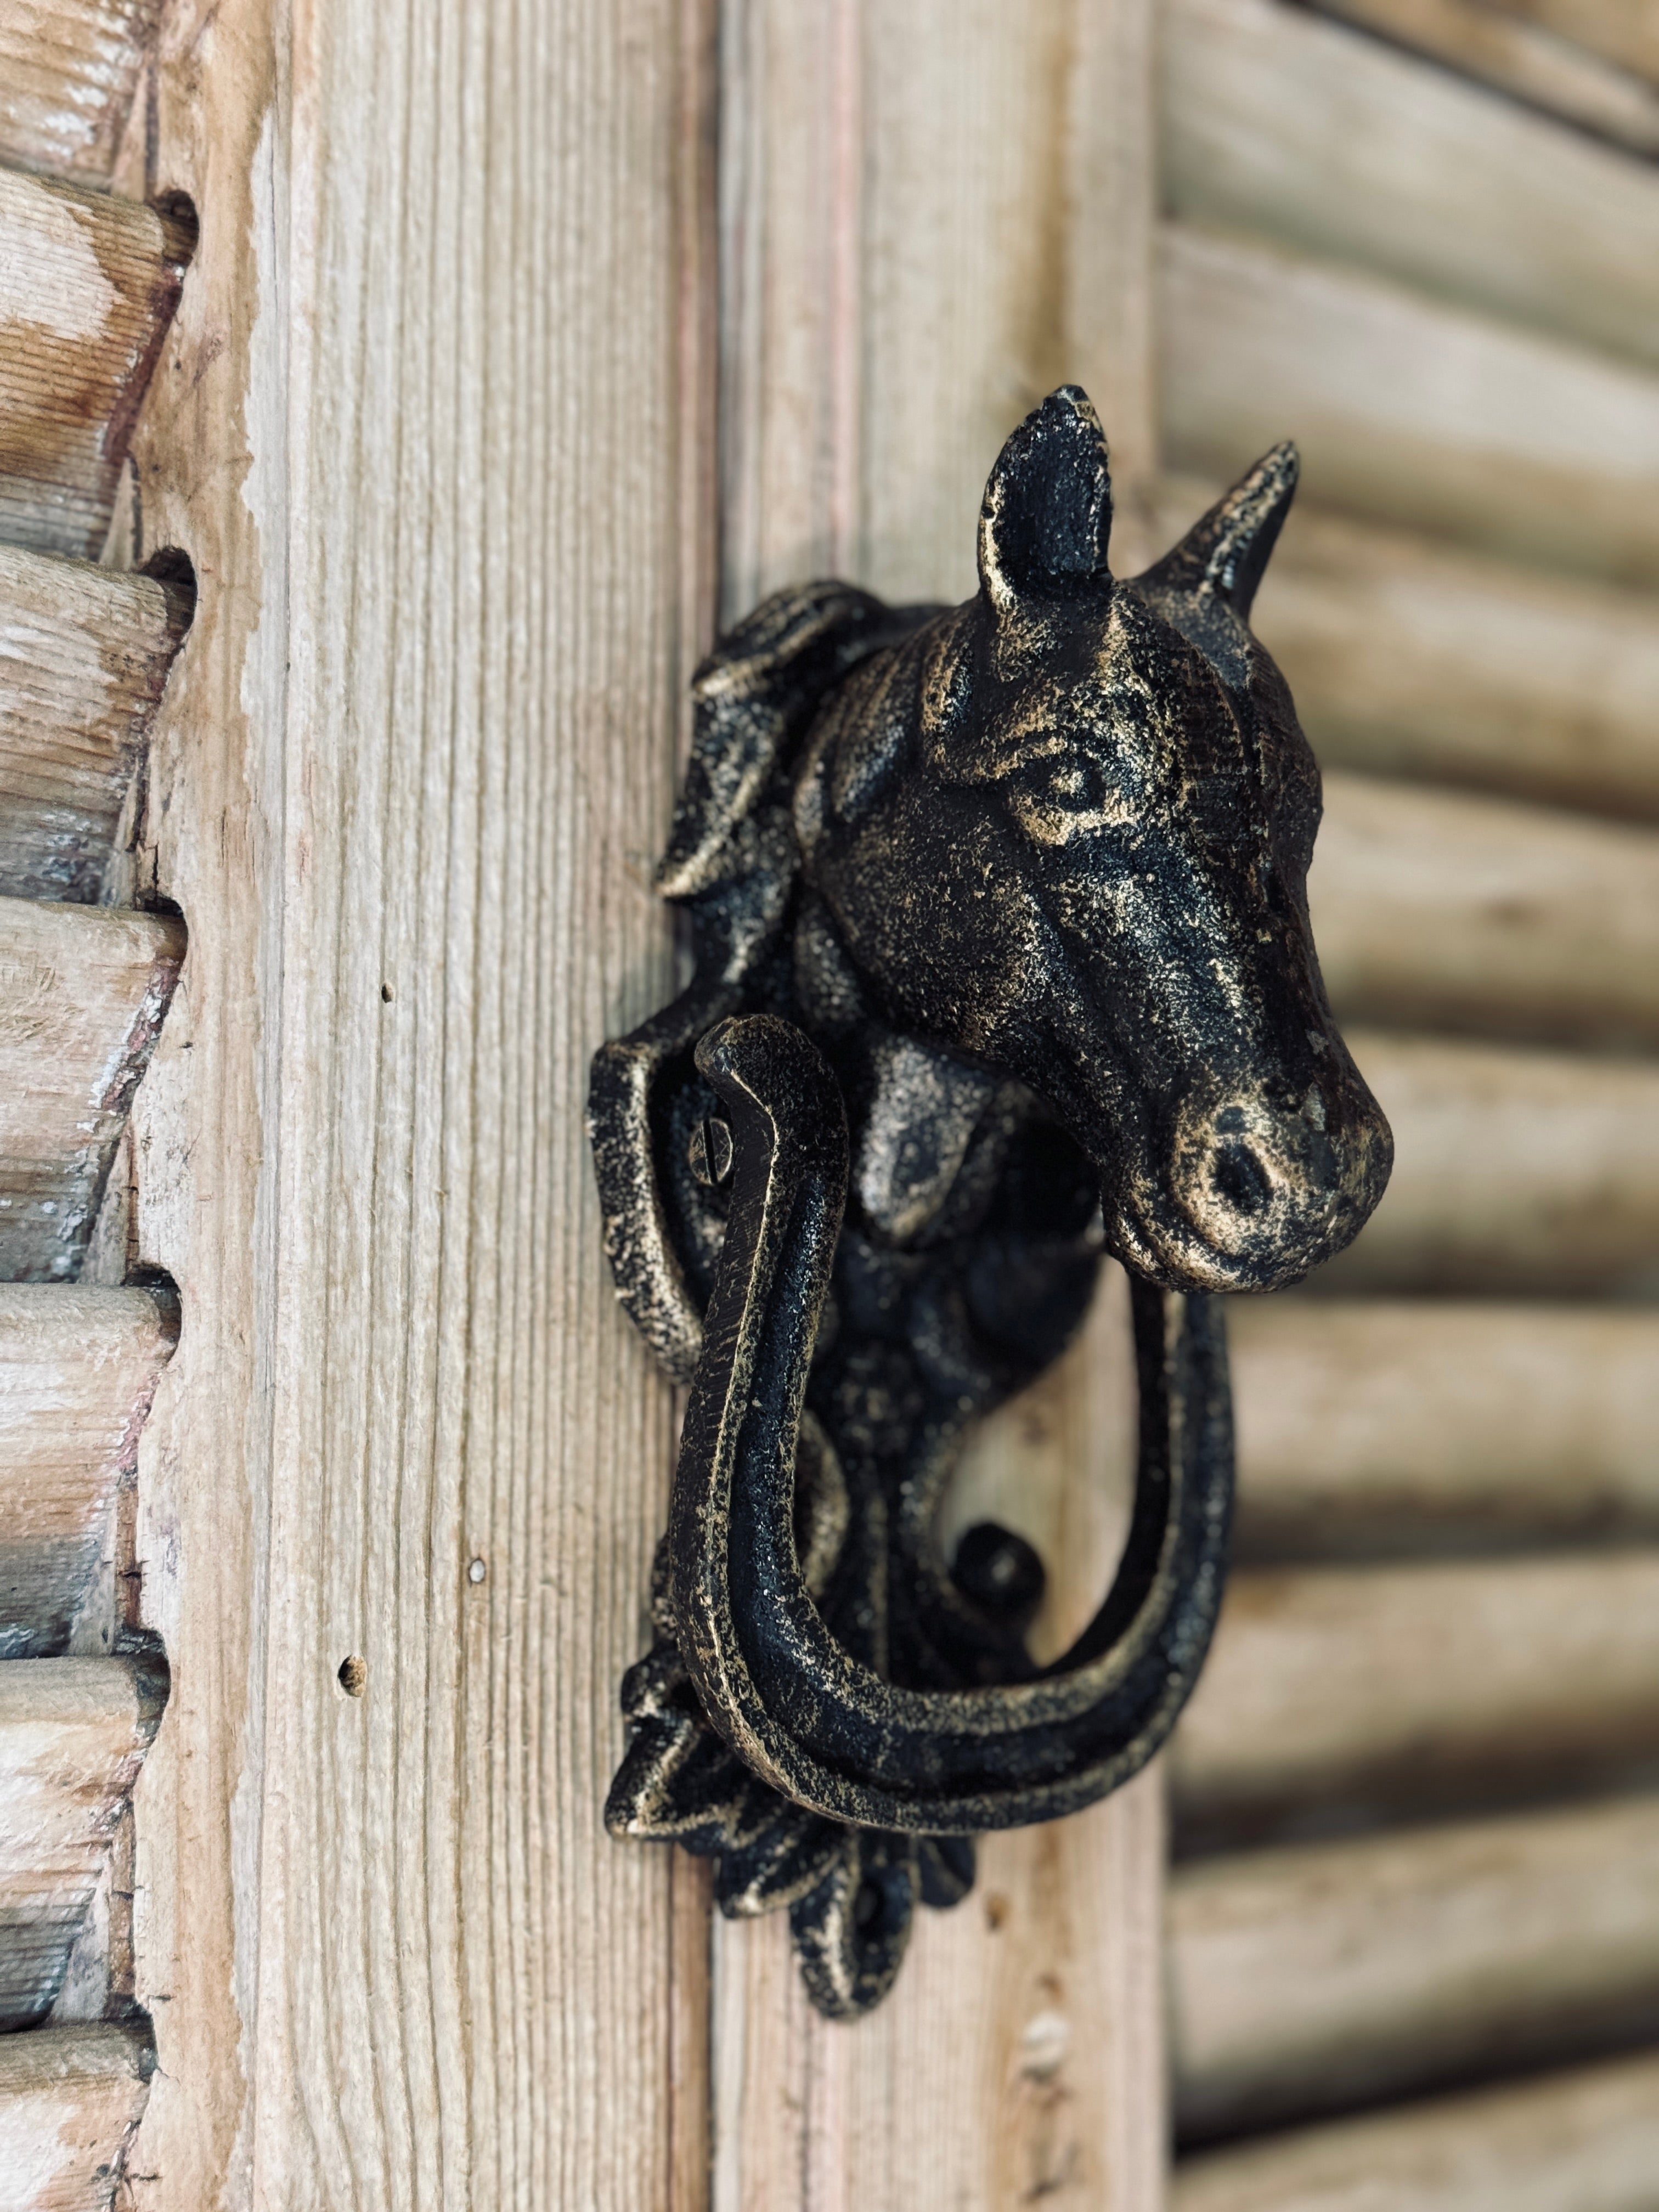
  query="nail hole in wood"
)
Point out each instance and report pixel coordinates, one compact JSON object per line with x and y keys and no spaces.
{"x":353,"y":1675}
{"x":178,"y":210}
{"x":172,"y":567}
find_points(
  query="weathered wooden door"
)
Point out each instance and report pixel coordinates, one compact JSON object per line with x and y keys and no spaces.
{"x":516,"y":344}
{"x":394,"y":401}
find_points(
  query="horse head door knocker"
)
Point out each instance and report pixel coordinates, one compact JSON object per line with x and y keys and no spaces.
{"x":1002,"y":962}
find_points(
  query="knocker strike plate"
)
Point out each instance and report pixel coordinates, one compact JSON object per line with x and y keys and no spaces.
{"x":1002,"y":963}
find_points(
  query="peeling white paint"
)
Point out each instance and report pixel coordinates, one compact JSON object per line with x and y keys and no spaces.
{"x":32,"y":2152}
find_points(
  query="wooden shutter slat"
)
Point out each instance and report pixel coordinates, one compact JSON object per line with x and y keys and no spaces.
{"x":1599,"y":91}
{"x":84,"y":652}
{"x":1304,"y":1980}
{"x":69,"y":2099}
{"x":83,"y":991}
{"x":1624,"y":30}
{"x":1516,"y":1171}
{"x":1590,"y":2136}
{"x":91,"y":283}
{"x":1410,"y":657}
{"x":1351,"y":1691}
{"x":1277,"y":123}
{"x":78,"y":1369}
{"x":1368,"y":1426}
{"x":1436,"y":909}
{"x":73,"y":1733}
{"x":1407,"y":409}
{"x":67,"y":71}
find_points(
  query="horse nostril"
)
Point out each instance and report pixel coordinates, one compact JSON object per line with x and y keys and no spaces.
{"x":1239,"y":1178}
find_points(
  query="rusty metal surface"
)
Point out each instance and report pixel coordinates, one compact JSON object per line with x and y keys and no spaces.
{"x":1002,"y":962}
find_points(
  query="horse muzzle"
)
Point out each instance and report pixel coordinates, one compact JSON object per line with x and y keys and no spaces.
{"x":1247,"y":1191}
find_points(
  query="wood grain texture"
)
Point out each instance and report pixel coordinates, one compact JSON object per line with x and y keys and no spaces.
{"x":1410,"y":657}
{"x":1530,"y":62}
{"x":1110,"y":286}
{"x":1516,"y":1172}
{"x":1433,"y":909}
{"x":88,"y":285}
{"x":69,"y":2099}
{"x":1337,"y":1695}
{"x":1372,"y":1427}
{"x":790,"y":286}
{"x":67,"y":71}
{"x":78,"y":1369}
{"x":425,"y":426}
{"x":73,"y":1733}
{"x":1309,"y":1978}
{"x":83,"y":992}
{"x":84,"y":652}
{"x":985,"y":165}
{"x":930,"y":216}
{"x":1587,"y":2138}
{"x":1298,"y":130}
{"x":1624,"y":30}
{"x":1407,"y":410}
{"x":1007,"y":2067}
{"x":902,"y":278}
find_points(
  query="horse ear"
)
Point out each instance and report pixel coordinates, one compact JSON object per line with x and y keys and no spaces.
{"x":1047,"y":514}
{"x":1226,"y":551}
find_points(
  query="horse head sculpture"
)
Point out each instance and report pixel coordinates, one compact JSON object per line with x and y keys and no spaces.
{"x":1002,"y":962}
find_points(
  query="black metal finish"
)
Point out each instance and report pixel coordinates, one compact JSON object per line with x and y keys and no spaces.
{"x":1002,"y":962}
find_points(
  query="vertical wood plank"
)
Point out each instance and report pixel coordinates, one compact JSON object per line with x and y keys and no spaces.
{"x":428,"y":430}
{"x":990,"y":172}
{"x":791,"y":264}
{"x":1111,"y":275}
{"x":199,"y":1132}
{"x":965,"y":233}
{"x":1016,"y":2061}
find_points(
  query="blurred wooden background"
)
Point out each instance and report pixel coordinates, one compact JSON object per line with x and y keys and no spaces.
{"x":395,"y":400}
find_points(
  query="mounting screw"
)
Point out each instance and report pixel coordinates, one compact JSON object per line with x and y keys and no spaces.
{"x":710,"y":1151}
{"x":1000,"y":1572}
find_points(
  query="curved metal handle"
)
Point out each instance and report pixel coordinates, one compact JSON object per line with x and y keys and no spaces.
{"x":825,"y":1731}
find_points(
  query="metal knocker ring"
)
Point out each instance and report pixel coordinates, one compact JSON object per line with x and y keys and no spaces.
{"x":1002,"y":963}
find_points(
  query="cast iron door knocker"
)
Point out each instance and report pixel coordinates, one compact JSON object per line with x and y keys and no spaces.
{"x":1002,"y":962}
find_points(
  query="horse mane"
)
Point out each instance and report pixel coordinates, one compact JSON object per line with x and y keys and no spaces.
{"x":753,"y":700}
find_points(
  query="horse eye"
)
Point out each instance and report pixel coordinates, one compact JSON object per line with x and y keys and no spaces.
{"x":1063,"y":793}
{"x":1081,"y":783}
